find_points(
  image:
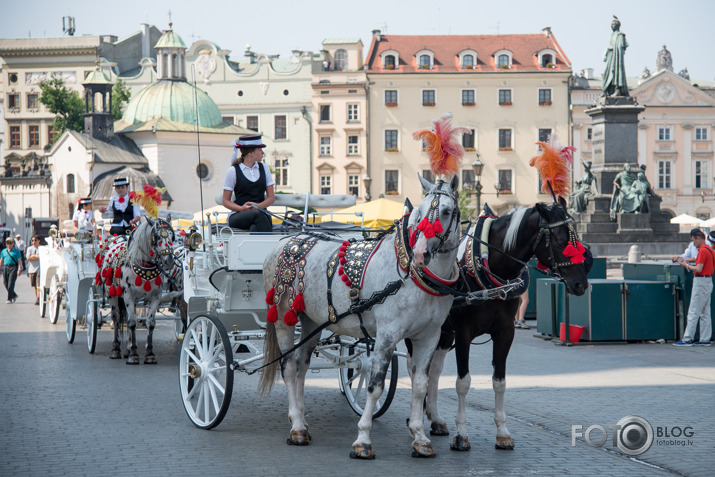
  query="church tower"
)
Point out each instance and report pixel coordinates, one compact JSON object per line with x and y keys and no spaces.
{"x":98,"y":117}
{"x":171,"y":56}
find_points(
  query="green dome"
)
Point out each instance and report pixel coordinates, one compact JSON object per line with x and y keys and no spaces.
{"x":173,"y":100}
{"x":170,"y":40}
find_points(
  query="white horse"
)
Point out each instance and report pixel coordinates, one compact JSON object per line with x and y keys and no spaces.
{"x":134,"y":271}
{"x":408,"y":274}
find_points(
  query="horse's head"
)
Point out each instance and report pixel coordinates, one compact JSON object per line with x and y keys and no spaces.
{"x":434,"y":224}
{"x":163,"y":239}
{"x":152,"y":240}
{"x":558,"y":248}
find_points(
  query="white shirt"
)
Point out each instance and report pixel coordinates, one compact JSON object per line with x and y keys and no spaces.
{"x":20,"y":244}
{"x":122,"y":206}
{"x":83,"y":218}
{"x":250,"y":173}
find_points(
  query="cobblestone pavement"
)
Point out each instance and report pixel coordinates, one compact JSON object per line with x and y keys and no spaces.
{"x":66,"y":412}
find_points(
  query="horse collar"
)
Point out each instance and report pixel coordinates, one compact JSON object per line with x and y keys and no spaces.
{"x":147,"y":271}
{"x":425,"y":279}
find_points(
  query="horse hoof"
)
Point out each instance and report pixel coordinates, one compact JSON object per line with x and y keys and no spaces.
{"x":438,"y":429}
{"x":299,"y":438}
{"x":133,"y":360}
{"x":115,"y":354}
{"x":460,"y":443}
{"x":504,"y":443}
{"x":150,"y":359}
{"x":362,"y":451}
{"x":423,"y":449}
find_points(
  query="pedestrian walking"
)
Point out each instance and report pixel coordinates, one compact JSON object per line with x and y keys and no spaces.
{"x":699,"y":310}
{"x":33,"y":266}
{"x":20,"y":245}
{"x":11,"y":265}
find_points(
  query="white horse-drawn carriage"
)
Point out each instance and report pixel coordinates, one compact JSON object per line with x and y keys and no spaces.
{"x":226,"y":302}
{"x":69,"y":281}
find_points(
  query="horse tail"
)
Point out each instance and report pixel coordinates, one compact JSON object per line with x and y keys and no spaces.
{"x":271,"y":351}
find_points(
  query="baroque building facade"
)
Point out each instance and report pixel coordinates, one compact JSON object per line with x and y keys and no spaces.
{"x":509,"y":90}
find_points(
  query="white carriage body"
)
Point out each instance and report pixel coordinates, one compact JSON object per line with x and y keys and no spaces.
{"x":81,"y":271}
{"x":52,"y":263}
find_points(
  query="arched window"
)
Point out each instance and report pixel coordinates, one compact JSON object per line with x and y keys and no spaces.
{"x":468,"y":62}
{"x":70,"y":183}
{"x":546,"y":60}
{"x":390,"y":62}
{"x":174,"y":66}
{"x":341,"y":60}
{"x":164,"y":66}
{"x":425,"y":62}
{"x":503,"y":61}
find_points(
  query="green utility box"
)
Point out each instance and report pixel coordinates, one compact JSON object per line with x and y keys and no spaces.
{"x":597,"y":271}
{"x":550,"y":305}
{"x":625,"y":310}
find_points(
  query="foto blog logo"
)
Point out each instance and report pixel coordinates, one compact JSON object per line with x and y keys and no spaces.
{"x":632,"y":435}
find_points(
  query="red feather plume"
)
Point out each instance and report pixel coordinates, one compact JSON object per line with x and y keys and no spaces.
{"x":445,"y":151}
{"x":554,"y":166}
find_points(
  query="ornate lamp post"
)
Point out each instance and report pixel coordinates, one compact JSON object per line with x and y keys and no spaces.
{"x":367,"y":181}
{"x":477,"y":167}
{"x":499,"y":187}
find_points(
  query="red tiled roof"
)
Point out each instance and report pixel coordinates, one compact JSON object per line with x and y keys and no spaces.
{"x":446,"y":48}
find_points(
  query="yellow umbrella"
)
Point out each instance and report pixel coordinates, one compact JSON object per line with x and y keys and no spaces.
{"x":376,"y":213}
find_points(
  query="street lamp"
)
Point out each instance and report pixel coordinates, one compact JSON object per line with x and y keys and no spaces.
{"x":367,"y":181}
{"x":477,"y":167}
{"x":499,"y":187}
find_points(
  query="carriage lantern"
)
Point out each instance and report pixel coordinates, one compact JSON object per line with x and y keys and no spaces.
{"x":367,"y":181}
{"x":194,"y":241}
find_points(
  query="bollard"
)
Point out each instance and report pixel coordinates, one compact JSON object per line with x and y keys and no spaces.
{"x":634,"y":254}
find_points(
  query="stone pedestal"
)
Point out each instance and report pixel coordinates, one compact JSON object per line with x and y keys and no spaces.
{"x":615,"y":143}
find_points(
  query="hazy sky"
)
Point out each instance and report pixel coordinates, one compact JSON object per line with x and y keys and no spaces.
{"x":278,"y":26}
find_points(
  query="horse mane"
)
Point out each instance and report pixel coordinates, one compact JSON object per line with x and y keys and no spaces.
{"x":140,"y":243}
{"x":517,"y":217}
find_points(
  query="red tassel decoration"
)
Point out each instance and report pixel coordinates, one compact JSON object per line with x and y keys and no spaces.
{"x":290,"y":318}
{"x":98,"y":279}
{"x":119,"y":291}
{"x":109,"y":281}
{"x":341,"y":271}
{"x":272,"y":315}
{"x":147,"y":285}
{"x":299,"y":303}
{"x":112,"y":291}
{"x":104,"y":273}
{"x":541,"y":266}
{"x":437,"y":227}
{"x":270,"y":295}
{"x":151,"y":253}
{"x":138,"y":281}
{"x":118,"y":273}
{"x":413,"y":237}
{"x":157,"y":281}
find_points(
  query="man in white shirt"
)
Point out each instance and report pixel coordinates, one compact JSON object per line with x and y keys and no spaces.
{"x":691,"y":252}
{"x":83,"y":218}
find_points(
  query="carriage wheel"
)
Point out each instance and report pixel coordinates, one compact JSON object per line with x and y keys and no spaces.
{"x":354,"y":381}
{"x":70,"y":324}
{"x":55,"y":295}
{"x":205,"y":379}
{"x":91,"y":320}
{"x":43,"y":301}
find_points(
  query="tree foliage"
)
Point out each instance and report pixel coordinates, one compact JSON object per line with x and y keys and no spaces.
{"x":120,"y":96}
{"x":66,"y":104}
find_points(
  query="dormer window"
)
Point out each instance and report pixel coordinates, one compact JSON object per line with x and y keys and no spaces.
{"x":547,"y":58}
{"x":390,"y":60}
{"x":504,"y":59}
{"x":425,"y":59}
{"x":467,"y":59}
{"x":340,"y":60}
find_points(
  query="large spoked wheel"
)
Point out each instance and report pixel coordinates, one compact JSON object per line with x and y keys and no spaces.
{"x":92,"y":320}
{"x":205,"y":379}
{"x":55,"y":300}
{"x":43,"y":301}
{"x":70,"y":324}
{"x":354,"y":381}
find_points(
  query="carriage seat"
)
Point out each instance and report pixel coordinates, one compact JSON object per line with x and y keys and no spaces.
{"x":298,"y":201}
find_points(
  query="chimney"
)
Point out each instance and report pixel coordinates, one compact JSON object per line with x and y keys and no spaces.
{"x":547,"y":32}
{"x":146,"y":41}
{"x":376,"y":34}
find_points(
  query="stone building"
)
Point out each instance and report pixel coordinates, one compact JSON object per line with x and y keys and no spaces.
{"x":510,"y":90}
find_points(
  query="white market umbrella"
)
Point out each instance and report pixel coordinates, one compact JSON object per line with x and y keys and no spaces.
{"x":709,"y":223}
{"x":685,"y":219}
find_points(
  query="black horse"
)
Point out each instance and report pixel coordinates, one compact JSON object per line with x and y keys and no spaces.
{"x":544,"y":231}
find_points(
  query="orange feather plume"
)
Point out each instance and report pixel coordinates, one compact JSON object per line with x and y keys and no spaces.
{"x":554,"y":166}
{"x":445,"y":151}
{"x":149,"y":198}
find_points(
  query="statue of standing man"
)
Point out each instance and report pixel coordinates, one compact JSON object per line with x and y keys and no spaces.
{"x":614,"y":77}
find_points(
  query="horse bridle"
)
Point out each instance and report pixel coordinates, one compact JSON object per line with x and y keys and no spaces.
{"x":545,"y":230}
{"x":433,"y":212}
{"x":162,"y":231}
